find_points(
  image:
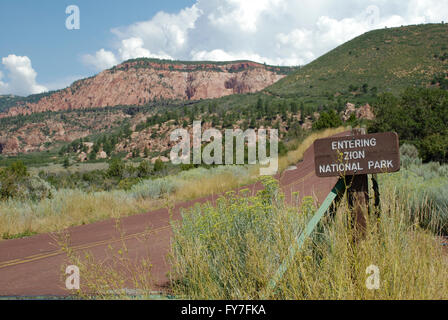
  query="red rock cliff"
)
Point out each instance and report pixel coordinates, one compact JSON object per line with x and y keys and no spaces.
{"x":140,"y":81}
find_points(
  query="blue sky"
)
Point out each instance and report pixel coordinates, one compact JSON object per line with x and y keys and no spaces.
{"x":36,"y":29}
{"x":38,"y":53}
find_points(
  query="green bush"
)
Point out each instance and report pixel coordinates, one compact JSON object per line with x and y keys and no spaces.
{"x":154,"y":189}
{"x":15,"y":182}
{"x":423,"y":187}
{"x":233,"y":250}
{"x":327,"y":120}
{"x":223,"y":238}
{"x":116,"y":168}
{"x":159,"y":165}
{"x":419,"y":116}
{"x":144,"y":169}
{"x":409,"y":156}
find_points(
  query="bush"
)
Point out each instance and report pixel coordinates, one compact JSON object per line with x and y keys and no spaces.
{"x":215,"y":248}
{"x":15,"y":182}
{"x":154,"y":189}
{"x":36,"y":189}
{"x":423,"y":188}
{"x":116,"y":168}
{"x":233,"y":250}
{"x":327,"y":120}
{"x":419,"y":116}
{"x":158,"y":165}
{"x":144,"y":169}
{"x":409,"y":156}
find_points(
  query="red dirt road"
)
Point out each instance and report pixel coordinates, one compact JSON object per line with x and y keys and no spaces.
{"x":34,"y":266}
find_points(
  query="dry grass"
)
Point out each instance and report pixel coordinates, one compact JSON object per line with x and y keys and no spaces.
{"x":121,"y":275}
{"x":296,"y":155}
{"x":232,"y":252}
{"x":74,"y":207}
{"x":69,"y":208}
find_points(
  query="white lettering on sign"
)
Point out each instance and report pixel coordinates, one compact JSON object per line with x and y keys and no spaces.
{"x":357,"y":154}
{"x":382,"y":164}
{"x":353,"y":144}
{"x":341,"y":167}
{"x":354,"y":155}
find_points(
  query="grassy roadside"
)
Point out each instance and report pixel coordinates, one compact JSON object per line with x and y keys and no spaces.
{"x":72,"y":207}
{"x":233,"y":250}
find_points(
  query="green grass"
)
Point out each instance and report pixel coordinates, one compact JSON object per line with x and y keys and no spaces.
{"x":24,"y":234}
{"x":76,"y":167}
{"x":423,"y":188}
{"x":35,"y":159}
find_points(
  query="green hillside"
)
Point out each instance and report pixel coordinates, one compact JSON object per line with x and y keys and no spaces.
{"x":386,"y":60}
{"x":8,"y":101}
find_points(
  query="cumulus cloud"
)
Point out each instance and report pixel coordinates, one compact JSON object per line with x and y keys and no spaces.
{"x":165,"y":34}
{"x":3,"y":86}
{"x":133,"y":48}
{"x":102,"y":59}
{"x":22,"y":77}
{"x":283,"y":32}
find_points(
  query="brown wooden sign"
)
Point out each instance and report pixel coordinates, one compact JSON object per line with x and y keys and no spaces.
{"x":357,"y":155}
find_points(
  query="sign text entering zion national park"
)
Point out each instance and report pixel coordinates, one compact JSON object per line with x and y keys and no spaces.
{"x":357,"y":154}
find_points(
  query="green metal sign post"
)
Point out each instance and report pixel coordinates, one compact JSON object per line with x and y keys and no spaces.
{"x":300,"y":240}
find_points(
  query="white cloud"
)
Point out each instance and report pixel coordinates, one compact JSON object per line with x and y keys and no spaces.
{"x":62,"y":83}
{"x":221,"y":55}
{"x":22,"y":77}
{"x":165,"y":33}
{"x":243,"y":14}
{"x":133,"y":48}
{"x":3,"y":86}
{"x":102,"y":59}
{"x":284,"y":32}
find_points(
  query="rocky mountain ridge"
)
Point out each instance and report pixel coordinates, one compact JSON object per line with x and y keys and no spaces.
{"x":140,"y":81}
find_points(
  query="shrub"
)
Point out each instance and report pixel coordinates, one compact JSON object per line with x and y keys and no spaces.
{"x":144,"y":169}
{"x":154,"y":189}
{"x":233,"y":250}
{"x":36,"y":189}
{"x":419,"y":116}
{"x":409,"y":155}
{"x":158,"y":165}
{"x":116,"y":168}
{"x":423,"y":188}
{"x":327,"y":120}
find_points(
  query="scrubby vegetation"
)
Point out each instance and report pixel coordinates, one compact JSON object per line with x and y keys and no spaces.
{"x":69,"y":207}
{"x":15,"y":182}
{"x":423,"y":189}
{"x":420,"y":117}
{"x":232,"y":251}
{"x":387,"y":60}
{"x":84,"y":197}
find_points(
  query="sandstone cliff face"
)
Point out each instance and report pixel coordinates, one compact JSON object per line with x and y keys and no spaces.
{"x":141,"y":81}
{"x":42,"y":135}
{"x":363,"y":112}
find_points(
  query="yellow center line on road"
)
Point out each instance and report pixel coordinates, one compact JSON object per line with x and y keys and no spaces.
{"x":42,"y":256}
